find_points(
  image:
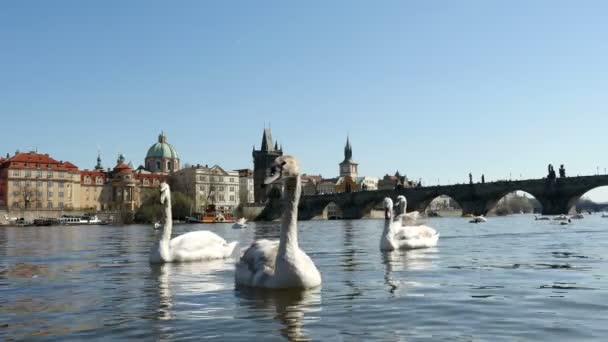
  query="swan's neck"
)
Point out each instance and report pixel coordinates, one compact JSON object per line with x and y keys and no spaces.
{"x":164,"y":243}
{"x":288,"y":242}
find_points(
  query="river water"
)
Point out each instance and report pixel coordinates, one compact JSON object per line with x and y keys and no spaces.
{"x":512,"y":278}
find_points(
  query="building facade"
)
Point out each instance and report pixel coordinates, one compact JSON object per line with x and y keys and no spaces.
{"x":162,"y":157}
{"x":246,"y":187}
{"x":34,"y":181}
{"x":262,"y":159}
{"x":209,"y":185}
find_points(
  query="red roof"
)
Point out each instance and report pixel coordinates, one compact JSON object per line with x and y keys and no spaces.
{"x":121,"y":167}
{"x":93,"y":175}
{"x":32,"y":160}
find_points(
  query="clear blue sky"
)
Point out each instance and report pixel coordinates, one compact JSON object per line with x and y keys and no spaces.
{"x":435,"y":89}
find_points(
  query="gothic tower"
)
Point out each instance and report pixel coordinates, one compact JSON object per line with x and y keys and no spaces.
{"x":262,"y":159}
{"x":348,"y":167}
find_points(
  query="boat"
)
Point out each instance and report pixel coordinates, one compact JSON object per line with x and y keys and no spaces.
{"x":45,"y":222}
{"x":212,"y":215}
{"x":542,"y":218}
{"x":561,"y":218}
{"x":478,"y":219}
{"x":80,"y":220}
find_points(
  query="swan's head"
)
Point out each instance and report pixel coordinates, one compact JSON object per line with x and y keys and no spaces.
{"x":402,"y":203}
{"x":388,"y":208}
{"x":281,"y":168}
{"x":164,"y":192}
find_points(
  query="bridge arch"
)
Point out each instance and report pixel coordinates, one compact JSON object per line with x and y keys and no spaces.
{"x":593,"y":200}
{"x":440,"y":205}
{"x":515,"y":202}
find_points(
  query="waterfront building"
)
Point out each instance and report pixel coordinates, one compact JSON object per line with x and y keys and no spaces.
{"x":162,"y":157}
{"x":327,"y":186}
{"x":366,"y":183}
{"x":34,"y":181}
{"x":209,"y":185}
{"x":262,"y":159}
{"x":246,"y":187}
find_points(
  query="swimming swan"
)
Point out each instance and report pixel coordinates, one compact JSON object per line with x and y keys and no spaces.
{"x":396,"y":236}
{"x":193,"y":246}
{"x":280,"y":264}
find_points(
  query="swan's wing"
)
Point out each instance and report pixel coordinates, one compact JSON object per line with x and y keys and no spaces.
{"x":414,"y":232}
{"x":257,"y":261}
{"x":200,"y":245}
{"x":409,"y":219}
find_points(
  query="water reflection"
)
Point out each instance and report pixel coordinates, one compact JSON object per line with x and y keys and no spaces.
{"x":188,"y":279}
{"x":402,"y":263}
{"x":286,"y":306}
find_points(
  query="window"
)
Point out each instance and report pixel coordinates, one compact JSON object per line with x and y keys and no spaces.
{"x":146,"y":182}
{"x":99,"y":180}
{"x":49,"y":184}
{"x":15,"y":204}
{"x":49,"y":174}
{"x":49,"y":194}
{"x":16,"y":173}
{"x":39,"y":205}
{"x":221,"y":197}
{"x":27,"y":173}
{"x":60,"y":205}
{"x":157,"y":165}
{"x":60,"y":194}
{"x":231,"y":180}
{"x":201,"y":187}
{"x":49,"y":205}
{"x":38,"y":194}
{"x":232,"y":198}
{"x":16,"y":193}
{"x":39,"y":174}
{"x":27,"y":183}
{"x":220,"y":188}
{"x":60,"y":184}
{"x":231,"y":189}
{"x":38,"y":184}
{"x":61,"y":174}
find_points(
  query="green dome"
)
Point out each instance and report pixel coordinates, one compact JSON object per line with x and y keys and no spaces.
{"x":162,"y":149}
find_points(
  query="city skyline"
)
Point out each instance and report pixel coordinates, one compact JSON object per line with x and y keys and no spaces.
{"x":499,"y":90}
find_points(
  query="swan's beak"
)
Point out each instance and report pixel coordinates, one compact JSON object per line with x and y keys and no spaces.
{"x":275,"y":173}
{"x":387,"y":214}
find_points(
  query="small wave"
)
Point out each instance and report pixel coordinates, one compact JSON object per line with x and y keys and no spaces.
{"x":565,"y":286}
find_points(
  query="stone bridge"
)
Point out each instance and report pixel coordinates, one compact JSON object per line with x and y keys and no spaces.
{"x":557,"y":196}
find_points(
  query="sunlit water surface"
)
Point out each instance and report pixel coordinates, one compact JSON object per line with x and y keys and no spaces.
{"x":509,"y":279}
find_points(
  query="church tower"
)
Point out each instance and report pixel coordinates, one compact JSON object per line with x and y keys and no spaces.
{"x":348,"y":167}
{"x":262,"y":159}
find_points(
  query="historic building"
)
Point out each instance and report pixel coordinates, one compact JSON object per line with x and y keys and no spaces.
{"x":246,"y":186}
{"x":209,"y":185}
{"x":389,"y":182}
{"x":34,"y":181}
{"x":162,"y":157}
{"x":262,"y":159}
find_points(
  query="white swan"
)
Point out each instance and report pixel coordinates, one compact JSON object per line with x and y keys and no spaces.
{"x":396,"y":236}
{"x":406,"y":218}
{"x":280,"y":264}
{"x":241,"y":223}
{"x":193,"y":246}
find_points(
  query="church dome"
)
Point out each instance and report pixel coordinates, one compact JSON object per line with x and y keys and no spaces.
{"x":162,"y":149}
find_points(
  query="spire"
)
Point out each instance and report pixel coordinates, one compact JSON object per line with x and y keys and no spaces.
{"x":98,"y":166}
{"x":276,"y":145}
{"x":121,"y":159}
{"x":348,"y":149}
{"x":162,"y":138}
{"x":266,"y":140}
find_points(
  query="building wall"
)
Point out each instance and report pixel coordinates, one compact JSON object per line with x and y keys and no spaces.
{"x":246,"y":189}
{"x":42,"y":189}
{"x":211,"y":186}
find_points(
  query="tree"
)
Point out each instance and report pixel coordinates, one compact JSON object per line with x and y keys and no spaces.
{"x":151,"y":210}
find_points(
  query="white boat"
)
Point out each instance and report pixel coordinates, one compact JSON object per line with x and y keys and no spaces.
{"x":577,"y":216}
{"x":542,"y":218}
{"x":478,"y":219}
{"x":79,"y":220}
{"x":241,"y":223}
{"x":561,"y":218}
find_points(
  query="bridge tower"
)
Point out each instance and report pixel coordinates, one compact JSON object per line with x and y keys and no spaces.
{"x":262,"y":159}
